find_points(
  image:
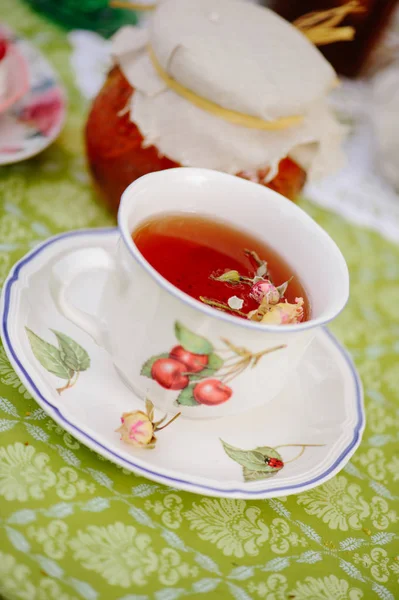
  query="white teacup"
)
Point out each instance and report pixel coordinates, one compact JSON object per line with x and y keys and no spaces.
{"x":143,"y":316}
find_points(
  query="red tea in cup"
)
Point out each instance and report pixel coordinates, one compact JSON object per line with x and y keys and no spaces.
{"x":213,"y":262}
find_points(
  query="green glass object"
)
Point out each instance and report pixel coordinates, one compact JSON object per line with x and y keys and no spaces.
{"x":95,"y":15}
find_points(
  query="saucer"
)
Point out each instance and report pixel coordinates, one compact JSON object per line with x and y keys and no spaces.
{"x":33,"y":112}
{"x":298,"y":441}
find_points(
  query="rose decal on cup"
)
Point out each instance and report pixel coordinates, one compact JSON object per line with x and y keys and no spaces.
{"x":197,"y":370}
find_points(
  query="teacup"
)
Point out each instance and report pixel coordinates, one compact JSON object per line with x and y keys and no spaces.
{"x":142,"y":316}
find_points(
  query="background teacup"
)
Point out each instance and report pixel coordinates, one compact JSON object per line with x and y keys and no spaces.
{"x":142,"y":317}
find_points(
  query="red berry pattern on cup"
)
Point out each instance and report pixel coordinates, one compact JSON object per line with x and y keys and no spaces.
{"x":170,"y":373}
{"x":211,"y":392}
{"x":201,"y":373}
{"x":194,"y":362}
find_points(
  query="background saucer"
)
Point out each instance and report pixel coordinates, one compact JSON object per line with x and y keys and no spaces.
{"x":32,"y":123}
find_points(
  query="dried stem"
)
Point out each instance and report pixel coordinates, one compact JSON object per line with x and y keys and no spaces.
{"x":63,"y":388}
{"x":69,"y":384}
{"x":302,"y":446}
{"x":232,"y":368}
{"x":299,"y":446}
{"x":255,"y":256}
{"x":229,"y":377}
{"x":240,"y":351}
{"x":259,"y":355}
{"x":221,"y":306}
{"x":243,"y":279}
{"x":247,"y":357}
{"x":169,"y":422}
{"x":157,"y":423}
{"x":229,"y":362}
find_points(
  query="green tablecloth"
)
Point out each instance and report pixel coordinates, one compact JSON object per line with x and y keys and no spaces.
{"x":75,"y":526}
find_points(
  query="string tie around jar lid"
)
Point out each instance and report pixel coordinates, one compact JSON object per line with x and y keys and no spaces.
{"x":320,"y":27}
{"x":232,"y":116}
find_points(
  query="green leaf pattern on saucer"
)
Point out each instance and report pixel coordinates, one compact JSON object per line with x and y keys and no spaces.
{"x":262,"y":462}
{"x":66,"y":361}
{"x":259,"y":463}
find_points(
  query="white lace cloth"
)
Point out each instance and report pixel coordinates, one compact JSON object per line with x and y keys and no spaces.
{"x":90,"y":60}
{"x":358,"y":192}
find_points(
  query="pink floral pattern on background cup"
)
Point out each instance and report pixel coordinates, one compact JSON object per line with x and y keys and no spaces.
{"x":14,"y":80}
{"x":33,"y":109}
{"x":44,"y":110}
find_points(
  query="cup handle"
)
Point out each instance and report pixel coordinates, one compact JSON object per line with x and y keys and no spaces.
{"x":63,"y":274}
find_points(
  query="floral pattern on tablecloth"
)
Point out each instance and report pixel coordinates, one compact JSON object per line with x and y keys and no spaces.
{"x":74,"y":526}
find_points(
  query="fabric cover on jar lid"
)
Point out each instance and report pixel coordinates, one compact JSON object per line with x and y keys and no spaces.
{"x":242,"y":58}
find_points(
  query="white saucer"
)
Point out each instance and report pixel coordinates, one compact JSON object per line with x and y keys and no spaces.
{"x":317,"y":420}
{"x":32,"y":122}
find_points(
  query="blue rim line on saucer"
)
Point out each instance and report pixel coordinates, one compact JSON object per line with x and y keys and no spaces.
{"x":86,"y":439}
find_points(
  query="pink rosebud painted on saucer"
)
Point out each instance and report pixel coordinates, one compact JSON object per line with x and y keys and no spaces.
{"x":138,"y":427}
